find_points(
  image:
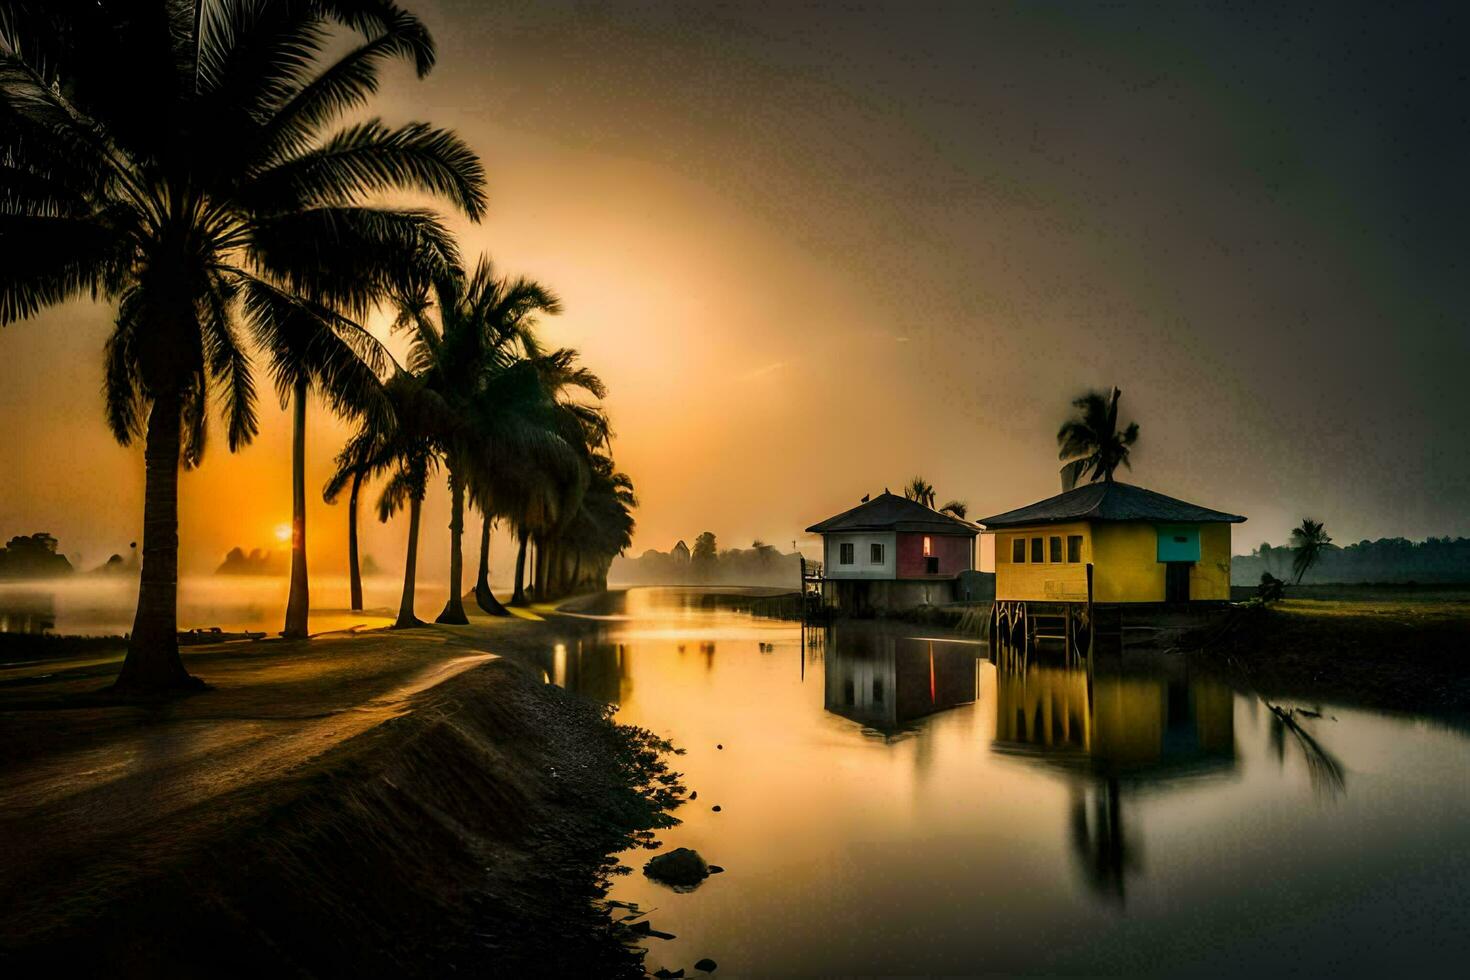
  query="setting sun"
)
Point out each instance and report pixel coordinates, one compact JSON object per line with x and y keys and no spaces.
{"x":283,"y":532}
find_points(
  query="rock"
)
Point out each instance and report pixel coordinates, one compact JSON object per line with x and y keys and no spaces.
{"x":707,"y":965}
{"x":667,"y":975}
{"x":694,"y":795}
{"x":715,"y":808}
{"x":715,"y":869}
{"x":719,"y":746}
{"x":681,"y":866}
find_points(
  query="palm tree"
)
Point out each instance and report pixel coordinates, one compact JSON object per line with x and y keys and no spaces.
{"x":475,"y":359}
{"x":1091,"y":441}
{"x":958,"y":508}
{"x":920,"y":491}
{"x":313,"y":349}
{"x":173,"y":160}
{"x":402,"y":445}
{"x":350,"y":470}
{"x":1308,"y":540}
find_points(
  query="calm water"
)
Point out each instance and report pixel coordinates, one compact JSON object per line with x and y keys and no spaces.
{"x":893,"y":803}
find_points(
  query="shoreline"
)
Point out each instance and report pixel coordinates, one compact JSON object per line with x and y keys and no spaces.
{"x":383,"y":802}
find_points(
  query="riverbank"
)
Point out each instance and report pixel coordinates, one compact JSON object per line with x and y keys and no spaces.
{"x":1393,"y":652}
{"x":373,"y":803}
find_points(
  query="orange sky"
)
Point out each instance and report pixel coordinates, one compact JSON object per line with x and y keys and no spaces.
{"x":815,"y":254}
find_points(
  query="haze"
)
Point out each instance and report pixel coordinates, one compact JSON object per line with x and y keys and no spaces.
{"x":816,"y":251}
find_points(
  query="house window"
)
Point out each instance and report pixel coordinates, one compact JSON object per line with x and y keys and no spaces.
{"x":928,"y":546}
{"x":844,"y":554}
{"x":1074,"y":548}
{"x":1018,"y":551}
{"x":875,"y":554}
{"x":1036,"y":557}
{"x":931,"y":565}
{"x":1054,"y":550}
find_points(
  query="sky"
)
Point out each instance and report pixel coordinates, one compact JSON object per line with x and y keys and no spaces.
{"x":815,"y":249}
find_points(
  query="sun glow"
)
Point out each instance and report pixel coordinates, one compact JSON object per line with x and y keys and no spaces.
{"x":283,"y":532}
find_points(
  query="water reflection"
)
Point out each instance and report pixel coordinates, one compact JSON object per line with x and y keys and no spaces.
{"x":1008,"y":809}
{"x":1112,"y":734}
{"x":886,"y":681}
{"x":27,"y":611}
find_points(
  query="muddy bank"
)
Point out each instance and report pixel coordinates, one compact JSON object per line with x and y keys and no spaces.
{"x":1382,"y":654}
{"x":411,"y":826}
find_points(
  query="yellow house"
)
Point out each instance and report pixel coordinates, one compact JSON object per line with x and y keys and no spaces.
{"x":1142,"y":547}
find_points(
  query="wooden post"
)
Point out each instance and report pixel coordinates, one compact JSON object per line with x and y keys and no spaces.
{"x":1091,"y":617}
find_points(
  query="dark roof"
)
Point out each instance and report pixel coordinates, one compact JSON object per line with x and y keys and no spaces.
{"x":890,"y":512}
{"x":1110,"y":502}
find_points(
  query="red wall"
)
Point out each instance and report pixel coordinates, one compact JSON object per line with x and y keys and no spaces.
{"x":952,"y":550}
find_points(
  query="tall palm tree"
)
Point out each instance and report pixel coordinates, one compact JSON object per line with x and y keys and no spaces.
{"x":1090,"y":440}
{"x":475,"y":360}
{"x":351,"y":470}
{"x":1309,"y":540}
{"x":173,"y":159}
{"x":920,"y":491}
{"x":401,"y":444}
{"x":313,"y":349}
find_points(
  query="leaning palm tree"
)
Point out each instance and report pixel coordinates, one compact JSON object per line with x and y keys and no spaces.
{"x":474,"y":358}
{"x":173,"y":158}
{"x":957,"y":508}
{"x":1308,"y":540}
{"x":1091,"y":442}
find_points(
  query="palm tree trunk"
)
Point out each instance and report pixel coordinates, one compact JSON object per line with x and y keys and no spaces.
{"x":540,"y":578}
{"x":299,"y":602}
{"x":153,"y":662}
{"x":485,"y":598}
{"x":354,"y":570}
{"x":454,"y":608}
{"x":406,"y":618}
{"x":518,"y":597}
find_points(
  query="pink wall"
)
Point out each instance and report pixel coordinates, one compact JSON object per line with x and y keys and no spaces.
{"x":952,"y":550}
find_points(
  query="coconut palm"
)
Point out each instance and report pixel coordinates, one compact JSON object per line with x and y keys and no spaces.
{"x":475,"y":358}
{"x":353,"y":471}
{"x":920,"y":491}
{"x":1308,"y":541}
{"x":311,"y":349}
{"x":1090,"y":440}
{"x":401,"y":444}
{"x":173,"y":159}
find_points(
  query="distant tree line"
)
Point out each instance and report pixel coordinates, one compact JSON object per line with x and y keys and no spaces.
{"x":1434,"y":560}
{"x":760,"y":564}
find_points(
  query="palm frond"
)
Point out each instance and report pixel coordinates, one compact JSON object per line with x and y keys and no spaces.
{"x":370,"y":158}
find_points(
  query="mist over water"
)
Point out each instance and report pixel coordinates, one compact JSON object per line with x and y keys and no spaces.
{"x":104,"y":606}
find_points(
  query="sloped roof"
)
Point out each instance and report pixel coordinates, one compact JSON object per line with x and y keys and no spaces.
{"x":1110,"y":502}
{"x":890,"y":512}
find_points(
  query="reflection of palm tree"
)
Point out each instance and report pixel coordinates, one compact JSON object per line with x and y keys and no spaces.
{"x":1100,"y":843}
{"x":1090,"y":440}
{"x":1309,"y":540}
{"x":176,"y":188}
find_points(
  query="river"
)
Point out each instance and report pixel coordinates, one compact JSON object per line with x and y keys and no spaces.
{"x":891,"y":802}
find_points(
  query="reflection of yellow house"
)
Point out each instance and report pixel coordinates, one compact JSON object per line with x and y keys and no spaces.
{"x":1142,"y":547}
{"x":1115,"y":724}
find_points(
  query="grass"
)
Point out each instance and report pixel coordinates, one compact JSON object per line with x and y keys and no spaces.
{"x":1390,"y":648}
